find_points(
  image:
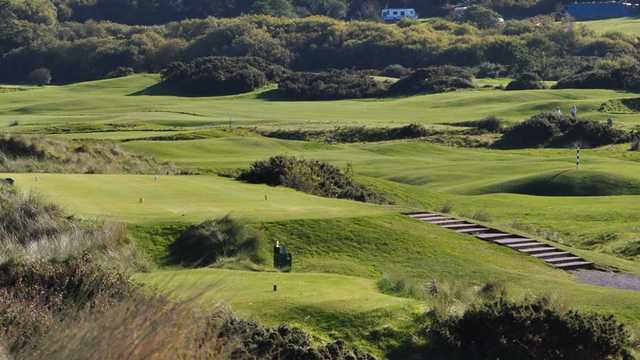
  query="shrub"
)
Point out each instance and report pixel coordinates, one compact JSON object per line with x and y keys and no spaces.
{"x":120,"y":72}
{"x":635,"y":143}
{"x":534,"y":329}
{"x":332,"y":85}
{"x":212,"y":240}
{"x":40,"y":77}
{"x":526,"y":81}
{"x":396,"y":70}
{"x":536,"y":131}
{"x":618,"y":77}
{"x":363,"y":134}
{"x":352,"y":134}
{"x":491,"y":70}
{"x":551,"y":129}
{"x":283,"y":342}
{"x":481,"y":17}
{"x":310,"y":176}
{"x":490,"y":124}
{"x":433,"y":80}
{"x":219,"y":75}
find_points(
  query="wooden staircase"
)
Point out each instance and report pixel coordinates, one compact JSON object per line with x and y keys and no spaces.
{"x":551,"y":255}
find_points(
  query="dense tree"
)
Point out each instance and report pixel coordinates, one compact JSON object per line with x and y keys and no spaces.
{"x":481,"y":17}
{"x":40,"y":76}
{"x":91,"y":50}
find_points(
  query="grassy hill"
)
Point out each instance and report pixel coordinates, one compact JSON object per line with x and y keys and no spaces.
{"x":111,"y":105}
{"x":568,"y":183}
{"x":341,"y":248}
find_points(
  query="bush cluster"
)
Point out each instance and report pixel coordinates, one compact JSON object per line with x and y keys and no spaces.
{"x":310,"y":176}
{"x":433,"y":80}
{"x":336,"y":84}
{"x":212,"y":240}
{"x":555,"y":130}
{"x":80,"y":51}
{"x":490,"y":124}
{"x":283,"y":342}
{"x":491,"y":70}
{"x":526,"y":81}
{"x":352,"y":134}
{"x":530,"y":329}
{"x":624,"y":76}
{"x":218,"y":75}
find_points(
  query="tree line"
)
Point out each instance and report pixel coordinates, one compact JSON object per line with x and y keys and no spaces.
{"x":151,"y":12}
{"x":73,"y":51}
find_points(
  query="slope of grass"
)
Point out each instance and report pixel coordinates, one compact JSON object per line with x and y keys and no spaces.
{"x":327,"y":305}
{"x":567,"y":183}
{"x":107,"y":102}
{"x":187,"y":199}
{"x":368,"y":247}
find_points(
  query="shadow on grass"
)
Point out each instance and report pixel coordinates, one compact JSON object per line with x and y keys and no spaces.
{"x":161,"y":89}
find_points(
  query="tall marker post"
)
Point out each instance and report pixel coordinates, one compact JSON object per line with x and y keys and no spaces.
{"x":577,"y":156}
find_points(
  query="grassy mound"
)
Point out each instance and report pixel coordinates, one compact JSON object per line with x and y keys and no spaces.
{"x":567,"y":183}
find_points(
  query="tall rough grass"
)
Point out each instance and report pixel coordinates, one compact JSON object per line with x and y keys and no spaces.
{"x":65,"y":294}
{"x":42,"y":154}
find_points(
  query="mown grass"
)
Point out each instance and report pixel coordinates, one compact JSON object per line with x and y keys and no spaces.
{"x":318,"y":294}
{"x":341,"y":248}
{"x":187,"y":199}
{"x":327,"y":305}
{"x":629,"y":26}
{"x":104,"y":103}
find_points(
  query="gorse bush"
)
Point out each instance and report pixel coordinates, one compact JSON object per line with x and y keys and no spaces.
{"x":530,"y":329}
{"x":212,"y":240}
{"x":219,"y":75}
{"x":481,"y":17}
{"x":46,"y":154}
{"x":336,"y":84}
{"x":352,"y":134}
{"x":555,"y":130}
{"x":490,"y":124}
{"x":310,"y":176}
{"x":433,"y":80}
{"x":621,"y":76}
{"x":526,"y":81}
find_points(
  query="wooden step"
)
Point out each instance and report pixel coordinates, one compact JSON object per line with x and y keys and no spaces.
{"x":525,"y":245}
{"x":557,"y":258}
{"x":552,"y":254}
{"x":564,"y":259}
{"x":537,"y":249}
{"x":456,"y":226}
{"x":574,"y":265}
{"x":444,"y":222}
{"x":472,"y":230}
{"x":424,"y":215}
{"x":435,"y":218}
{"x":488,"y":236}
{"x":512,"y":241}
